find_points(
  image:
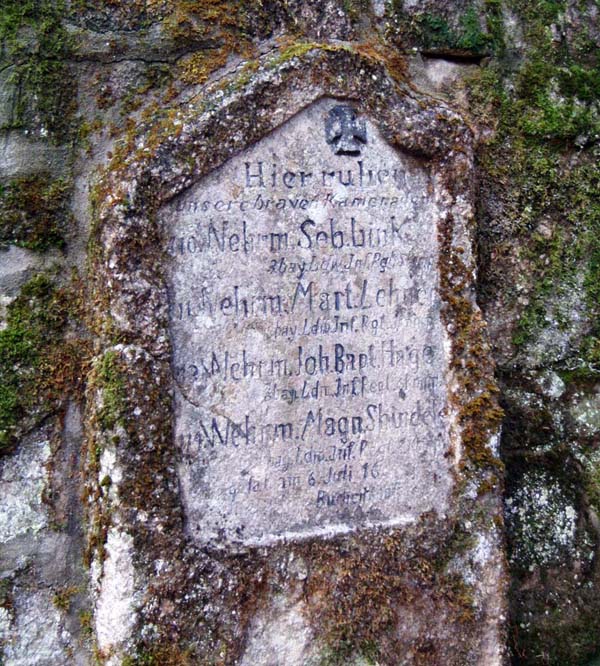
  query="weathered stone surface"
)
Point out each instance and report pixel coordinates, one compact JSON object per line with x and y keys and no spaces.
{"x":309,"y":351}
{"x":115,"y":616}
{"x":35,"y":635}
{"x":17,"y":265}
{"x":42,"y":580}
{"x":23,"y":156}
{"x":23,"y":479}
{"x":7,"y":97}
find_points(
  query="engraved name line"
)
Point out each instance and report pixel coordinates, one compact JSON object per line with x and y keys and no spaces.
{"x":307,"y":297}
{"x":338,"y":359}
{"x":237,"y":236}
{"x":375,"y":418}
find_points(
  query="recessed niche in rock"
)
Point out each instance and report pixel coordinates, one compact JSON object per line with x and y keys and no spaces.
{"x":308,"y":350}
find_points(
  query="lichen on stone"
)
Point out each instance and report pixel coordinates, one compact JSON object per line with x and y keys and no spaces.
{"x":23,"y":478}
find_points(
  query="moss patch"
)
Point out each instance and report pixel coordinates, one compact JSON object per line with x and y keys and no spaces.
{"x":477,"y":404}
{"x":107,"y":382}
{"x":197,"y":67}
{"x":355,"y":9}
{"x":63,"y":598}
{"x":473,"y":32}
{"x":154,"y":78}
{"x":544,"y":166}
{"x":161,"y":657}
{"x":109,"y":379}
{"x":36,"y":42}
{"x":37,"y":366}
{"x":34,"y":212}
{"x":360,"y":589}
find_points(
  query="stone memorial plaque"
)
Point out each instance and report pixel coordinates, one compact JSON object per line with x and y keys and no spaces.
{"x":309,"y":354}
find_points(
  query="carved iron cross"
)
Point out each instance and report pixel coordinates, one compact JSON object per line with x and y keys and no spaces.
{"x":345,"y":132}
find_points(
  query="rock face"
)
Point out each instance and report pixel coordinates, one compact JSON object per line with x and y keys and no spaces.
{"x":268,"y":271}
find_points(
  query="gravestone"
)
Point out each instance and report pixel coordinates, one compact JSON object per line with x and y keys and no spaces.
{"x":309,"y":354}
{"x":310,"y":423}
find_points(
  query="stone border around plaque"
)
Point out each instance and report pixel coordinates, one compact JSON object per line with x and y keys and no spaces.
{"x":169,"y":490}
{"x":386,"y":169}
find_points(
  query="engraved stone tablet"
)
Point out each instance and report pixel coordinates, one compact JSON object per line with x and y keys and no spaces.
{"x":308,"y":349}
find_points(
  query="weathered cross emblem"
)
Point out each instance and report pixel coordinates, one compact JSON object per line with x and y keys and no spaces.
{"x":345,"y":132}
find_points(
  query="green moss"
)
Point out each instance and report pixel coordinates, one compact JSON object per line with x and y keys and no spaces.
{"x":580,"y":82}
{"x":34,"y":212}
{"x":6,"y":597}
{"x":349,"y":654}
{"x":86,"y":622}
{"x":571,"y":196}
{"x":556,"y":278}
{"x":562,"y":119}
{"x":37,"y":44}
{"x":34,"y":326}
{"x":580,"y":646}
{"x":161,"y":656}
{"x":592,"y":484}
{"x":156,"y":76}
{"x":63,"y":598}
{"x":355,"y":8}
{"x":538,"y":13}
{"x":109,"y":379}
{"x":495,"y":26}
{"x":296,"y":50}
{"x":556,"y":88}
{"x":470,"y":34}
{"x":550,"y":114}
{"x":244,"y":77}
